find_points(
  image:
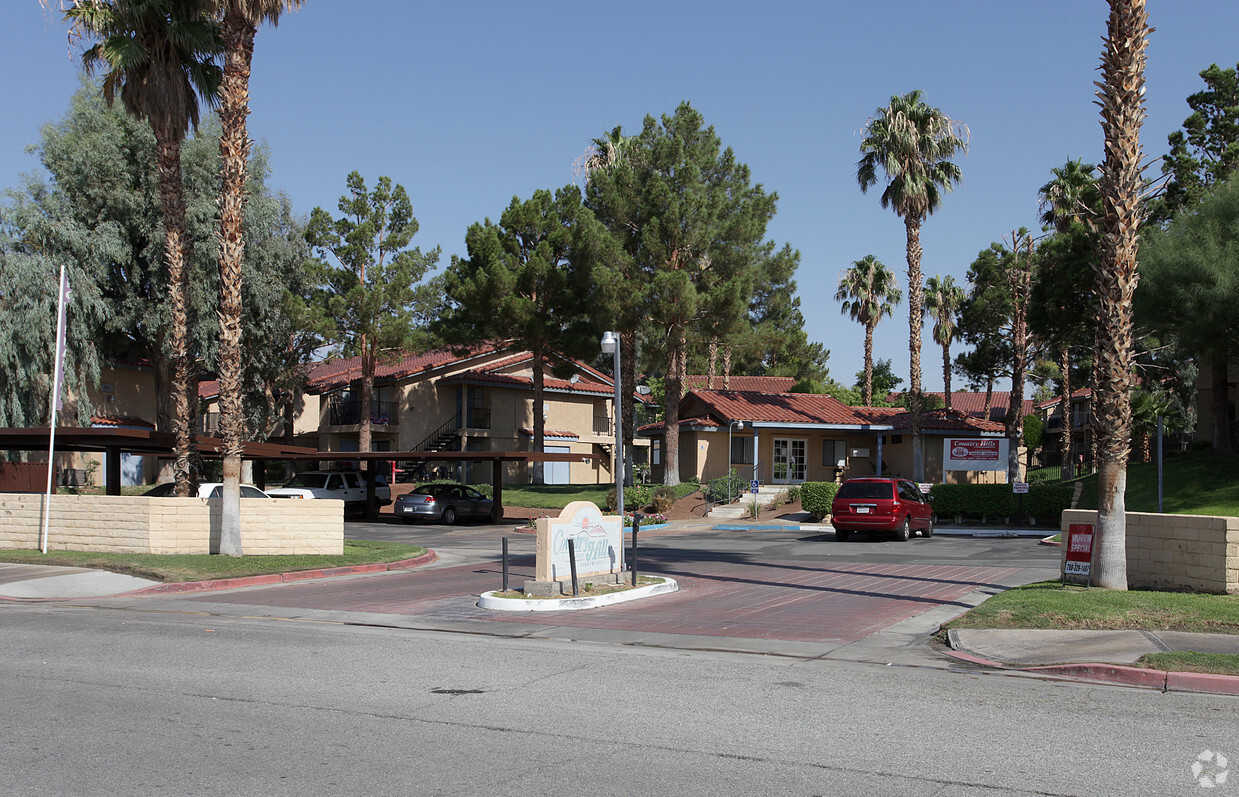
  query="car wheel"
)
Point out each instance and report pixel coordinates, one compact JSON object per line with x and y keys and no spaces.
{"x":905,"y":531}
{"x":841,"y":535}
{"x":449,"y":516}
{"x":929,"y":529}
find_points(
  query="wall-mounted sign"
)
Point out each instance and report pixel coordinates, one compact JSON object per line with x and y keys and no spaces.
{"x":974,"y":453}
{"x":1078,"y":562}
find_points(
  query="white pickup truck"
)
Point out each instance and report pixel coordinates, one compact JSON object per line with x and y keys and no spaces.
{"x":348,"y":486}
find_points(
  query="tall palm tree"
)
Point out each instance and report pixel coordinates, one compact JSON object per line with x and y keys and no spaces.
{"x":868,"y":291}
{"x":943,"y":298}
{"x":912,"y":143}
{"x":240,"y":24}
{"x":157,"y":55}
{"x":1121,"y":97}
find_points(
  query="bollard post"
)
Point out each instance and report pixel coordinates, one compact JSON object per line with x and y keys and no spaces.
{"x":505,"y":564}
{"x":636,"y":526}
{"x":572,"y":564}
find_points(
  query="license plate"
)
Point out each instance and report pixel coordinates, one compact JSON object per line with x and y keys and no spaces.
{"x":862,"y":510}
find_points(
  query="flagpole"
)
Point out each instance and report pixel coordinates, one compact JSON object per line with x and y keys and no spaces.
{"x":56,"y":378}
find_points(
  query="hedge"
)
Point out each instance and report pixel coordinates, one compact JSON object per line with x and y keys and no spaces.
{"x":815,"y":497}
{"x":994,"y":501}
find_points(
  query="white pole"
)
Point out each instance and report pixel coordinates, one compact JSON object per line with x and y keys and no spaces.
{"x":51,"y":438}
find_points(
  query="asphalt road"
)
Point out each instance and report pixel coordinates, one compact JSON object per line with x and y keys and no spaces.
{"x":146,"y":701}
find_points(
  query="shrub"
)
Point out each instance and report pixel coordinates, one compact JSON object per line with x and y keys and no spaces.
{"x":973,"y":500}
{"x":815,"y":497}
{"x":637,"y":496}
{"x":1048,"y":500}
{"x":793,"y":493}
{"x":724,"y":489}
{"x":663,"y":502}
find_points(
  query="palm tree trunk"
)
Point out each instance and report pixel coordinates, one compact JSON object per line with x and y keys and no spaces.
{"x":671,"y":411}
{"x":946,"y":373}
{"x":1122,"y":113}
{"x":726,"y":367}
{"x":915,"y":318}
{"x":713,"y":363}
{"x":867,"y":397}
{"x":1064,"y":365}
{"x":176,"y":253}
{"x":234,"y":150}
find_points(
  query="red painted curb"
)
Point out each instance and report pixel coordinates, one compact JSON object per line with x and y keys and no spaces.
{"x":183,"y":587}
{"x":1109,"y":673}
{"x":1202,"y":682}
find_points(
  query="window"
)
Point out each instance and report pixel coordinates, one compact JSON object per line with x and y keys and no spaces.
{"x":656,"y":452}
{"x":742,"y":451}
{"x":834,"y":454}
{"x":894,"y":439}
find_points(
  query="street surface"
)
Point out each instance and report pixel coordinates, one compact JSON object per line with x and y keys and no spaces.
{"x":393,"y":684}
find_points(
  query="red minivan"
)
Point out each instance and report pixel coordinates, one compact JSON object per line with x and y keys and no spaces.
{"x":881,"y":504}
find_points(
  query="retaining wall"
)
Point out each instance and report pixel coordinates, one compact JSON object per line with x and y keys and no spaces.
{"x":1199,"y":553}
{"x":134,"y":524}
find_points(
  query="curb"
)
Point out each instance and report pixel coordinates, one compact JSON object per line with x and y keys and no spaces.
{"x":487,"y":600}
{"x":181,"y":588}
{"x":1119,"y":674}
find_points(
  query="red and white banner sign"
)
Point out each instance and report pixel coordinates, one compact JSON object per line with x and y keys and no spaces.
{"x":974,"y":453}
{"x":1079,"y":558}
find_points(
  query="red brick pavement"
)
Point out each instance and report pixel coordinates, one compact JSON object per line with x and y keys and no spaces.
{"x":772,"y":600}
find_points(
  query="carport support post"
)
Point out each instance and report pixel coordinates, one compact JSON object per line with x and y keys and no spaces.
{"x":260,"y":474}
{"x":111,"y":476}
{"x":496,"y":487}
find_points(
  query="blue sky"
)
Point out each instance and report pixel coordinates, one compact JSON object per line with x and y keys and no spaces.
{"x":470,"y":103}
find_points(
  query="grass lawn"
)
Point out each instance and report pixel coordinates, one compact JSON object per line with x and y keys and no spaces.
{"x":1048,"y":604}
{"x":1190,"y":661}
{"x":204,"y":567}
{"x":554,"y":496}
{"x":1202,"y":483}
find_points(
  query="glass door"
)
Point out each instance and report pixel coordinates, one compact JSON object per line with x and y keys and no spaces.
{"x":789,"y":461}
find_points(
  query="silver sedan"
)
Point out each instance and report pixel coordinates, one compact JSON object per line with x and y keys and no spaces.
{"x":446,"y":503}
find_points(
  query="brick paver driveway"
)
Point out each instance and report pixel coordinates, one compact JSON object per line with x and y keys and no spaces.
{"x":721,"y":594}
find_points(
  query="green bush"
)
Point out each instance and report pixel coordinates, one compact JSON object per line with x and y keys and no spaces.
{"x":976,"y":501}
{"x":724,"y":489}
{"x":815,"y":497}
{"x":793,"y":493}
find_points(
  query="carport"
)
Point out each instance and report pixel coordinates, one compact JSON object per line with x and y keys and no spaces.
{"x":114,"y":442}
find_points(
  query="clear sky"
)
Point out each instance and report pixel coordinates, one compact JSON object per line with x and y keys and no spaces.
{"x":468,"y":104}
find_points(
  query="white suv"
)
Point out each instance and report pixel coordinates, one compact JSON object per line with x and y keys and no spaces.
{"x":348,"y":486}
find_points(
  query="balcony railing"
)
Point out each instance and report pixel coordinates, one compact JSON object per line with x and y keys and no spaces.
{"x":602,"y":424}
{"x":344,"y":412}
{"x":208,"y":424}
{"x":478,"y":418}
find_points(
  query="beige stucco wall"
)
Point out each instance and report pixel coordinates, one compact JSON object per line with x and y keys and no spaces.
{"x":1199,"y":553}
{"x":134,"y":524}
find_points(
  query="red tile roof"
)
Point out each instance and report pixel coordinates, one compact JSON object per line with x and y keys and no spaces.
{"x":208,"y":389}
{"x":754,"y":384}
{"x":724,"y":406}
{"x":552,"y":434}
{"x":332,"y":374}
{"x":520,"y":381}
{"x":973,"y":403}
{"x":1082,"y":393}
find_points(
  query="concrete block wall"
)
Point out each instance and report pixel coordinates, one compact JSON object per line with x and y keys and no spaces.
{"x":1199,"y":553}
{"x":134,"y":524}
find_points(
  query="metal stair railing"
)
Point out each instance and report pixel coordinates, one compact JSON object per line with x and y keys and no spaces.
{"x":447,"y":429}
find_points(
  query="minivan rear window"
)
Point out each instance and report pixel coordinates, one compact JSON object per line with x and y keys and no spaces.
{"x":865,"y":490}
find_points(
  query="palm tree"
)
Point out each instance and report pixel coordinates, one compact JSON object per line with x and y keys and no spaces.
{"x":912,"y":143}
{"x":1121,"y":97}
{"x":868,"y":291}
{"x":1072,"y":195}
{"x":943,"y":298}
{"x":240,"y":23}
{"x":157,"y":55}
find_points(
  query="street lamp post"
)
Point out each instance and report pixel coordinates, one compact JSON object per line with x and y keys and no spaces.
{"x":611,"y":345}
{"x":736,"y":425}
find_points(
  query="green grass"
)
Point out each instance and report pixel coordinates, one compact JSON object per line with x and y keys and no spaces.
{"x":1191,"y":661}
{"x":204,"y":567}
{"x":1049,"y":604}
{"x":554,"y":496}
{"x":1202,"y":483}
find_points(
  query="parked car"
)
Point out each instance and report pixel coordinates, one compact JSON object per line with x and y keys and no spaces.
{"x":443,"y":502}
{"x":348,"y":486}
{"x":879,"y":504}
{"x":205,"y":490}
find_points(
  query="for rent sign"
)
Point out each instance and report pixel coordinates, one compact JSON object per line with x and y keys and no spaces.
{"x":1078,"y":562}
{"x":974,"y":453}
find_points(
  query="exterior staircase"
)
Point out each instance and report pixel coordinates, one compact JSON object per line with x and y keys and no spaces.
{"x":766,"y":494}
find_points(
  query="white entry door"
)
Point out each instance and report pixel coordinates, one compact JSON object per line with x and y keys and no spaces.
{"x":789,"y":461}
{"x":555,"y":472}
